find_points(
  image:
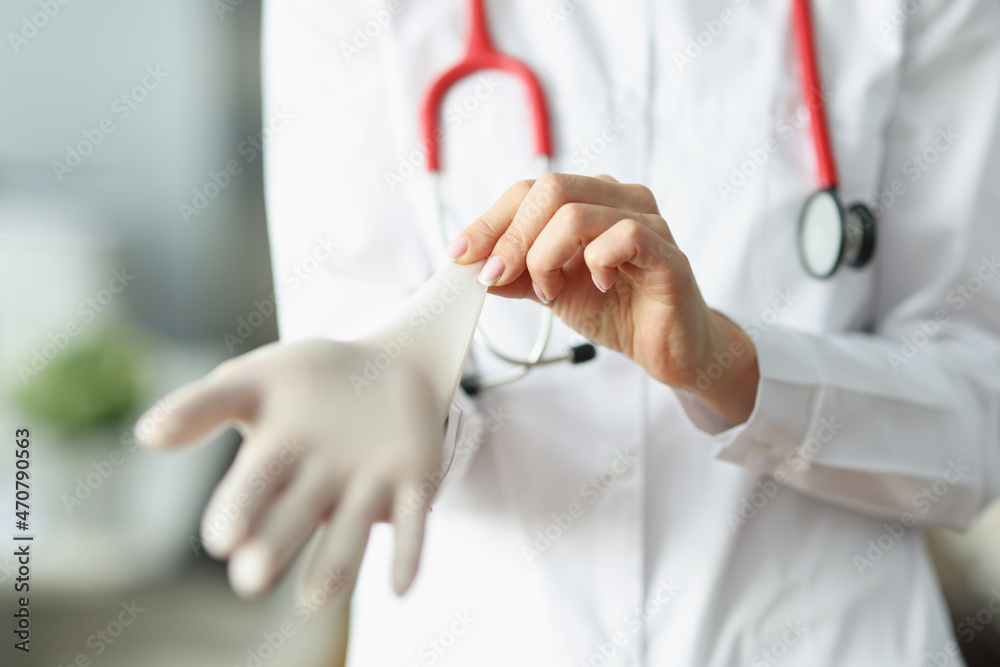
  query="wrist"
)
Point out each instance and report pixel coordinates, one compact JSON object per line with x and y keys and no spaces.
{"x":727,"y":379}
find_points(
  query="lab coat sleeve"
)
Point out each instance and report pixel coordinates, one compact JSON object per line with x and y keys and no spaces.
{"x":902,"y":423}
{"x":346,"y":251}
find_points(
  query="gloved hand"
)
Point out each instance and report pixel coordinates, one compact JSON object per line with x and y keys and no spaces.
{"x":318,"y":451}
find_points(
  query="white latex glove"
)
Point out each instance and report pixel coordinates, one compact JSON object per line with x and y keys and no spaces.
{"x":321,"y":449}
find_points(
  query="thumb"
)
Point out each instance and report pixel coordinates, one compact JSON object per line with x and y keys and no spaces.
{"x":196,"y":410}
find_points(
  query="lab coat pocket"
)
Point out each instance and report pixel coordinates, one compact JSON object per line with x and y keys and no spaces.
{"x":843,"y":301}
{"x":465,"y":434}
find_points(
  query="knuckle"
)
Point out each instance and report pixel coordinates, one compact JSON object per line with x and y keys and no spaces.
{"x":479,"y":229}
{"x":643,"y":197}
{"x":553,"y":184}
{"x":513,"y":240}
{"x":520,"y":190}
{"x":660,"y":227}
{"x":573,"y":216}
{"x":631,"y":230}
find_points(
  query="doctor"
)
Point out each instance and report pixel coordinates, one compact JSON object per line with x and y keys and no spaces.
{"x":742,"y":475}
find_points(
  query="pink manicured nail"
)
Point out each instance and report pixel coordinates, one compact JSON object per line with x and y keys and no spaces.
{"x":492,"y":271}
{"x":603,"y":289}
{"x":539,"y":294}
{"x":457,"y":248}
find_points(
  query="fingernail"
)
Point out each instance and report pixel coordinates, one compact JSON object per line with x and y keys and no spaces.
{"x":492,"y":271}
{"x":248,"y":570}
{"x":457,"y":248}
{"x":538,"y":293}
{"x":603,"y":289}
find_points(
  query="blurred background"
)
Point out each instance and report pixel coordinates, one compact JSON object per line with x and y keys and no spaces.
{"x":127,"y":251}
{"x":134,"y":258}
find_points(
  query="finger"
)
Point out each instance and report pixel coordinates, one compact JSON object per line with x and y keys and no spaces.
{"x":197,"y":409}
{"x":263,"y":465}
{"x":343,"y":545}
{"x":475,"y":241}
{"x":573,"y":225}
{"x":546,"y":196}
{"x":628,"y":242}
{"x":409,"y":517}
{"x":283,"y":528}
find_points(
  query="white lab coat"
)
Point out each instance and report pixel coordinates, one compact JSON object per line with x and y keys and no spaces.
{"x":611,"y":519}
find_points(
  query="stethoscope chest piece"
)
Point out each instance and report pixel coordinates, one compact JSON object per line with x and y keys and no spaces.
{"x":829,"y":235}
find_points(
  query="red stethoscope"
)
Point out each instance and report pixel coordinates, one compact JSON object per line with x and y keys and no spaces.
{"x":829,"y":234}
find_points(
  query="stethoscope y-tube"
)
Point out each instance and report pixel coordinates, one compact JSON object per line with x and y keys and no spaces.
{"x":480,"y":54}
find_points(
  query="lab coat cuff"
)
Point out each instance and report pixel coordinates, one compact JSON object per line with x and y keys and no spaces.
{"x":784,"y":410}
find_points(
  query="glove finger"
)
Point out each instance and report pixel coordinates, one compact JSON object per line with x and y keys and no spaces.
{"x":409,"y":517}
{"x":343,"y":546}
{"x":281,"y":532}
{"x":263,"y":466}
{"x":197,"y":410}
